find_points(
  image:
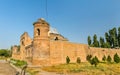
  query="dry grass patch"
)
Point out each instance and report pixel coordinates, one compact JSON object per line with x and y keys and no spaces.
{"x":101,"y":69}
{"x":33,"y":71}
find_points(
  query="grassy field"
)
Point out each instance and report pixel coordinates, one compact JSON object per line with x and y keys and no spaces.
{"x":86,"y":69}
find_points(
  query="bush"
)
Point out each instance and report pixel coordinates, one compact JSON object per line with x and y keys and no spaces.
{"x":4,"y":52}
{"x":67,"y":60}
{"x":94,"y":61}
{"x":88,"y":58}
{"x":78,"y":60}
{"x":18,"y":63}
{"x":116,"y":58}
{"x":104,"y":58}
{"x":109,"y":59}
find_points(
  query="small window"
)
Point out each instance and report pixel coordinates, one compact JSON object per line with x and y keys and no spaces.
{"x":38,"y":31}
{"x":23,"y":43}
{"x":56,"y":38}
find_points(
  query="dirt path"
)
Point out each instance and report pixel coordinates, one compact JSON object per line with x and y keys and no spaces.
{"x":6,"y":69}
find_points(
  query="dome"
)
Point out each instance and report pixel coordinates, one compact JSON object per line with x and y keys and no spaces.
{"x":53,"y":30}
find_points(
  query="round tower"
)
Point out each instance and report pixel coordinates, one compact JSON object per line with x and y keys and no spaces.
{"x":41,"y":43}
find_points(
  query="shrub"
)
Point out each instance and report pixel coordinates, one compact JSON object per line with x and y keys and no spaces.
{"x":116,"y":58}
{"x":94,"y":61}
{"x":78,"y":60}
{"x":88,"y":58}
{"x":18,"y":63}
{"x":109,"y":59}
{"x":67,"y":60}
{"x":104,"y":58}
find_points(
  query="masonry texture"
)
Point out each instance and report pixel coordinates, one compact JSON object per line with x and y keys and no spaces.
{"x":48,"y":47}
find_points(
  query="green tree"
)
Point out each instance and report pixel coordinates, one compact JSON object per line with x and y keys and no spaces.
{"x":115,"y":40}
{"x":78,"y":60}
{"x":102,"y":43}
{"x":104,"y":58}
{"x":94,"y":61}
{"x":88,"y":58}
{"x":89,"y":40}
{"x":111,"y":37}
{"x":107,"y":45}
{"x":67,"y":60}
{"x":4,"y":52}
{"x":119,"y":36}
{"x":95,"y":41}
{"x":116,"y":58}
{"x":109,"y":59}
{"x":107,"y":37}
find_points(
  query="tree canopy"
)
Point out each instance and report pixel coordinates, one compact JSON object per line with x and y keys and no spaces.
{"x":110,"y":40}
{"x":5,"y":52}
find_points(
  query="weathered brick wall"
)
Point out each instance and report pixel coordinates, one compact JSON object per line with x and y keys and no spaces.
{"x":100,"y":52}
{"x":15,"y":53}
{"x":16,"y":56}
{"x":25,"y":40}
{"x":59,"y":50}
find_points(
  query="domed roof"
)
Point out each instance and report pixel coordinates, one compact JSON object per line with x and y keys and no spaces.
{"x":53,"y":30}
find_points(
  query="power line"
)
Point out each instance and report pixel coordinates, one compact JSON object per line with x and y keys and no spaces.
{"x":46,"y":10}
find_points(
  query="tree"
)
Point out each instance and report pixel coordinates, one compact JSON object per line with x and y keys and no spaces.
{"x":67,"y":60}
{"x":107,"y":37}
{"x":115,"y":37}
{"x":111,"y":37}
{"x":95,"y":41}
{"x":119,"y":36}
{"x":109,"y":59}
{"x":5,"y":52}
{"x":78,"y":60}
{"x":116,"y":58}
{"x":107,"y":45}
{"x":104,"y":58}
{"x":89,"y":40}
{"x":94,"y":61}
{"x":102,"y":42}
{"x":88,"y":58}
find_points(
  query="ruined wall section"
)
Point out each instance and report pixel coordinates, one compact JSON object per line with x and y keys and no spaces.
{"x":59,"y":50}
{"x":15,"y":52}
{"x":29,"y":53}
{"x":25,"y":40}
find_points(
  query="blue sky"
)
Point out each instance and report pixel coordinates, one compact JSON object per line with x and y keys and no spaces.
{"x":74,"y":19}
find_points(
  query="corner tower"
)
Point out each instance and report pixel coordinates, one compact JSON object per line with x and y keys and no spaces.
{"x":41,"y":43}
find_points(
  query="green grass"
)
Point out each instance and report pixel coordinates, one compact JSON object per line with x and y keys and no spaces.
{"x":18,"y":63}
{"x":86,"y":68}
